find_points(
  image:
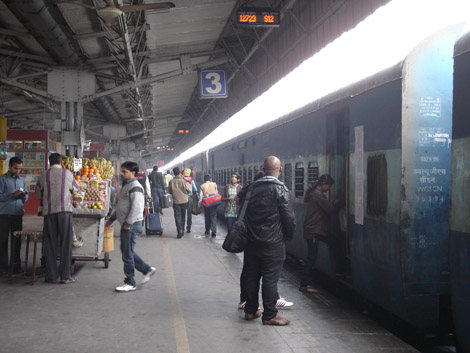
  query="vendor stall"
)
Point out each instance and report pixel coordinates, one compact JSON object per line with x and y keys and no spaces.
{"x":91,"y":205}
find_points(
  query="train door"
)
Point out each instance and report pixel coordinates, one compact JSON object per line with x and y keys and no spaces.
{"x":338,"y":168}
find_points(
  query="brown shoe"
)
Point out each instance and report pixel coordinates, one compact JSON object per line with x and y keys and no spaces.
{"x":180,"y":235}
{"x":277,"y":321}
{"x":252,"y":316}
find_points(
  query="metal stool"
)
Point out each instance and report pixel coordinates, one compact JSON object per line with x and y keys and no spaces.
{"x":35,"y":237}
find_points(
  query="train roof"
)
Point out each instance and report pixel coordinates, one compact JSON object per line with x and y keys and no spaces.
{"x":462,"y":45}
{"x":390,"y":74}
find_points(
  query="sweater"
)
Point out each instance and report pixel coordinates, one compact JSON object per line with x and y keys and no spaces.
{"x":130,"y":207}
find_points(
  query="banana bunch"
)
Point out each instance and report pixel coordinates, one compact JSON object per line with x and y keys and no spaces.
{"x":67,"y":162}
{"x":86,"y":162}
{"x":105,"y":167}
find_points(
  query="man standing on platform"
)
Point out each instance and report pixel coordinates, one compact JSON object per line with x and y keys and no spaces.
{"x":167,"y":178}
{"x":157,"y":184}
{"x":55,"y":188}
{"x":129,"y":213}
{"x":179,"y":189}
{"x":13,"y":195}
{"x":270,"y":221}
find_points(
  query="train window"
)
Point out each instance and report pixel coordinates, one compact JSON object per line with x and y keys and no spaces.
{"x":256,"y":169}
{"x":299,"y":179}
{"x":377,"y":185}
{"x":245,"y":176}
{"x":250,"y":174}
{"x":312,"y":172}
{"x":288,"y":175}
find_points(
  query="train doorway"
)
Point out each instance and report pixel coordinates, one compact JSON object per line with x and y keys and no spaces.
{"x":338,"y":167}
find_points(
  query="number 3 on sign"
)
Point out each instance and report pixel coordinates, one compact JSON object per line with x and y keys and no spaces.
{"x":214,"y":77}
{"x":213,"y":84}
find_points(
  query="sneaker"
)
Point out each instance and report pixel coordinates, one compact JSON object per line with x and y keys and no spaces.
{"x":283,"y":303}
{"x":125,"y":288}
{"x":149,"y":274}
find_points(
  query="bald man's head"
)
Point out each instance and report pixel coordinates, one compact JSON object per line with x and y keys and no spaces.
{"x":272,"y":166}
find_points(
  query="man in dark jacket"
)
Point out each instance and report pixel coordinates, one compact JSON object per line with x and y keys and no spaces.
{"x":157,"y":184}
{"x":270,"y":222}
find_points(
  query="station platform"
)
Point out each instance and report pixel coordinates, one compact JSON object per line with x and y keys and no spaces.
{"x":189,"y":305}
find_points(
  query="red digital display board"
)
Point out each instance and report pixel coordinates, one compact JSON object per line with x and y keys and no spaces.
{"x":258,"y":17}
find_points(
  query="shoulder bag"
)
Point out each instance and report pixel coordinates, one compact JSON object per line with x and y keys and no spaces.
{"x":212,"y":200}
{"x":237,"y":239}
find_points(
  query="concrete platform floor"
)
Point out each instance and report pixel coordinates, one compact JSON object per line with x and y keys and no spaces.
{"x":190,"y":305}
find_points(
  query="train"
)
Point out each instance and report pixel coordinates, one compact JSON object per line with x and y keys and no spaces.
{"x":460,"y":193}
{"x":388,"y":142}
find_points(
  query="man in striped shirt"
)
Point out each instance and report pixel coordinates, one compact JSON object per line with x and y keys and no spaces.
{"x":55,"y":188}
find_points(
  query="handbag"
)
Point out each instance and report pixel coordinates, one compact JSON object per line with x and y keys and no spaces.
{"x":212,"y":200}
{"x":238,"y":238}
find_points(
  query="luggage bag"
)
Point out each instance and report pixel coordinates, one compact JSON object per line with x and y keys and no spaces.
{"x":153,"y":223}
{"x":167,"y":201}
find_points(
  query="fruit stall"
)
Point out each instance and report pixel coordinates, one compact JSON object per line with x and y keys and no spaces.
{"x":91,"y":205}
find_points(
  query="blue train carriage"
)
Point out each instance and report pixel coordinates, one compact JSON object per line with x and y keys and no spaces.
{"x":400,"y":182}
{"x":460,"y":196}
{"x":395,"y":183}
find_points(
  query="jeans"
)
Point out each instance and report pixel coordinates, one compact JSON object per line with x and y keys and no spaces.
{"x":261,"y":260}
{"x":189,"y":210}
{"x":157,"y":195}
{"x":8,"y":225}
{"x":129,"y":257}
{"x":179,"y":211}
{"x":230,"y":222}
{"x":210,"y":218}
{"x":309,"y":264}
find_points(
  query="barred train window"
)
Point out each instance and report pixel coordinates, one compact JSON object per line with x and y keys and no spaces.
{"x":288,"y":175}
{"x":299,"y":179}
{"x":245,"y":176}
{"x":250,"y":174}
{"x":255,"y":170}
{"x":377,"y":185}
{"x":312,"y":172}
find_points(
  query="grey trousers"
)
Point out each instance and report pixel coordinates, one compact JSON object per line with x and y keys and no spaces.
{"x":58,"y":235}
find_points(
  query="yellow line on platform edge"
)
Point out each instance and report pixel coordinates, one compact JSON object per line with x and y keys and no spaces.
{"x":181,"y":335}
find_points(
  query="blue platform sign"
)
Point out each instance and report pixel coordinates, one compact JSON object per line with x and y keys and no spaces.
{"x":212,"y":84}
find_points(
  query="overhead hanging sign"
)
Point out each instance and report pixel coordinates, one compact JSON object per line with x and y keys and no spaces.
{"x":212,"y":84}
{"x":258,"y":17}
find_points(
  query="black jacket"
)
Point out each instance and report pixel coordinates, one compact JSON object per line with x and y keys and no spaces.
{"x":269,"y":217}
{"x":156,"y":180}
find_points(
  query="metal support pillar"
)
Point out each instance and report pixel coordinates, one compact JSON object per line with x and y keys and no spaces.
{"x":69,"y":86}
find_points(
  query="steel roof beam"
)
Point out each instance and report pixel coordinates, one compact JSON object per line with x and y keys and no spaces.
{"x":20,"y":54}
{"x":149,"y":80}
{"x":101,"y":34}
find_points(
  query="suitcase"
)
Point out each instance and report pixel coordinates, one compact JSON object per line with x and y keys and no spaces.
{"x":167,"y":201}
{"x":153,"y":223}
